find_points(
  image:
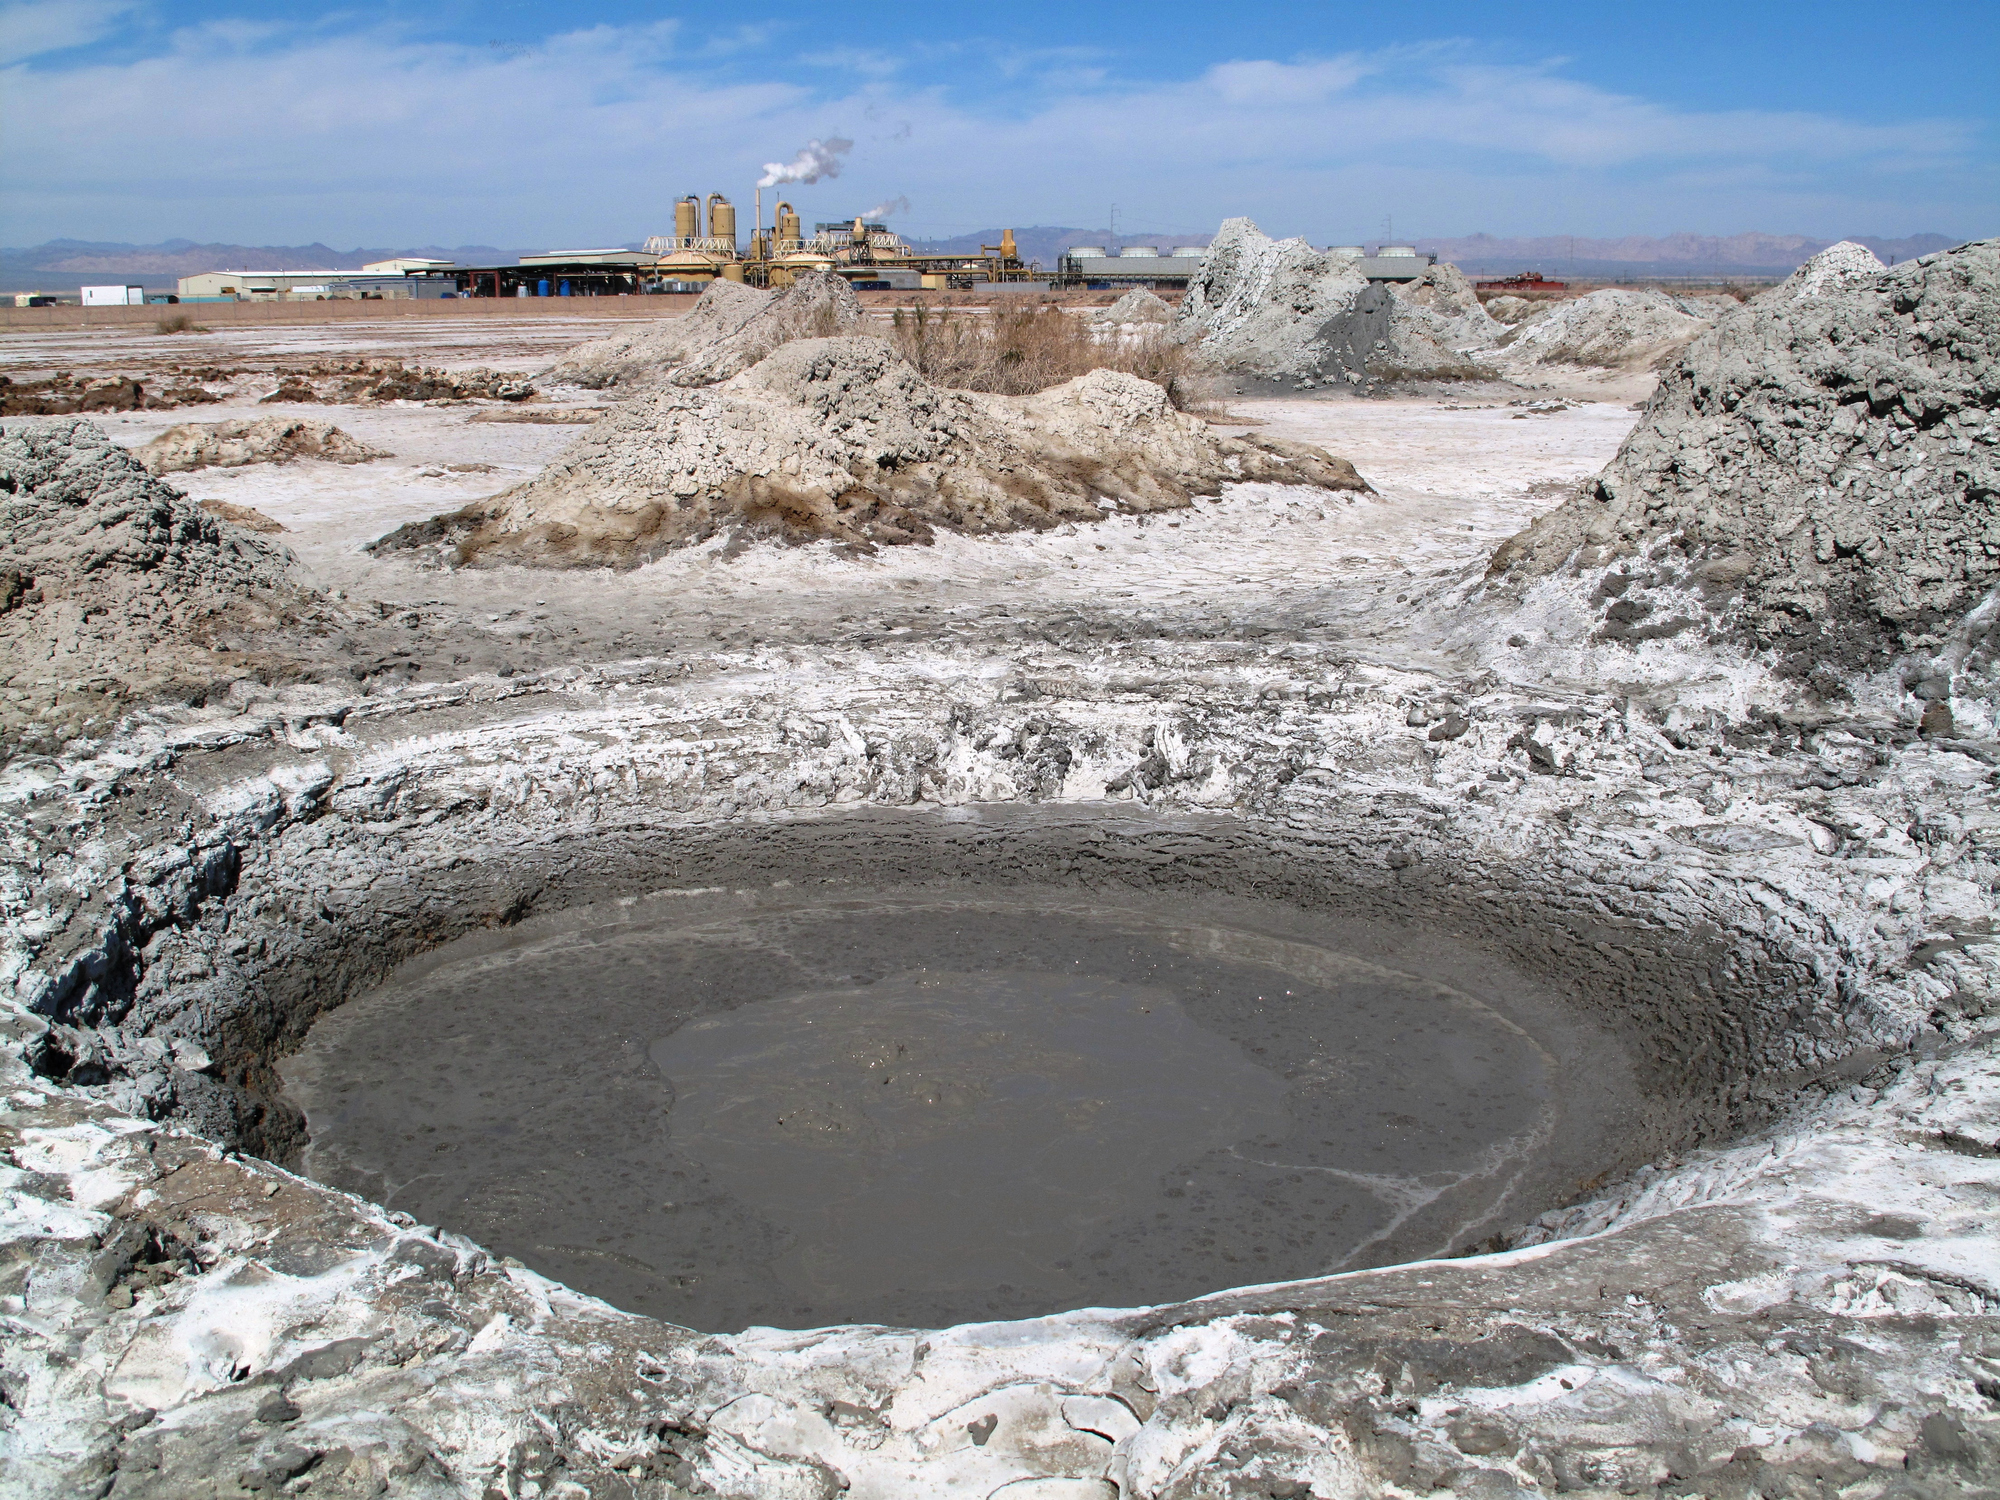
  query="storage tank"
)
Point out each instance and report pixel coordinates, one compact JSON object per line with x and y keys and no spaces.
{"x":788,"y":223}
{"x":1137,"y":252}
{"x":1387,"y":250}
{"x":721,"y":218}
{"x":1346,"y":252}
{"x":687,"y":219}
{"x":1086,"y":252}
{"x":1195,"y":251}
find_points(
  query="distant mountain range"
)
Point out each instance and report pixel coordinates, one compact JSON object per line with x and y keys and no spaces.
{"x":1666,"y":255}
{"x":63,"y":265}
{"x":1485,"y":254}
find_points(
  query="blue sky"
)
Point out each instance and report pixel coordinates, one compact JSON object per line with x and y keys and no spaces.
{"x":529,"y":124}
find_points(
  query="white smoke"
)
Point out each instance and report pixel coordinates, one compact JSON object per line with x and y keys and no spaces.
{"x":816,"y":159}
{"x":896,"y":205}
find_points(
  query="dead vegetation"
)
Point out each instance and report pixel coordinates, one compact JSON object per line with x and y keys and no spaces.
{"x":1017,"y":351}
{"x":178,"y":323}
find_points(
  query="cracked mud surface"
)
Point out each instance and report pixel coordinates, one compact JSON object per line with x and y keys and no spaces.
{"x":1783,"y":911}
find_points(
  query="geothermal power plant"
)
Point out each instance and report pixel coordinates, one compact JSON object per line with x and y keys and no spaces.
{"x":780,"y":866}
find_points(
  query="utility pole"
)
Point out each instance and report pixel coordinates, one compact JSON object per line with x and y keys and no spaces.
{"x":1113,"y":232}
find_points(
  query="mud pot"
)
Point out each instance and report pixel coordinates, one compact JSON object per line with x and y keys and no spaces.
{"x":728,"y":1108}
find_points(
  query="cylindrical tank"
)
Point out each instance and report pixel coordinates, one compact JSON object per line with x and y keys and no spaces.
{"x":721,"y":218}
{"x":1346,"y":252}
{"x":1140,"y":250}
{"x":1086,"y":252}
{"x":687,"y":219}
{"x":1397,"y":250}
{"x":733,"y":271}
{"x":788,"y":222}
{"x":1196,"y":251}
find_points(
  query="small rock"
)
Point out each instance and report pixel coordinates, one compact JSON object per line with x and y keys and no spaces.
{"x":1481,"y":1439}
{"x":1937,"y":720}
{"x":1450,"y":727}
{"x":272,"y":1469}
{"x":119,"y":1296}
{"x":277,"y":1408}
{"x":1517,"y":641}
{"x":1946,"y":1436}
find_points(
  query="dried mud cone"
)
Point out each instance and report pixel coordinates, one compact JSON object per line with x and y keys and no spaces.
{"x":114,"y":587}
{"x":1612,"y":329}
{"x":652,"y":349}
{"x":1816,"y":476}
{"x":242,"y":515}
{"x":230,"y":445}
{"x":842,"y":439}
{"x":1278,"y":314}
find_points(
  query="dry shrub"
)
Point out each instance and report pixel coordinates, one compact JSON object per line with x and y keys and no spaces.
{"x":1016,"y":351}
{"x":178,"y":323}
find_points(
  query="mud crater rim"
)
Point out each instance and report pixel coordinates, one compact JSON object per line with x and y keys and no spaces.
{"x":1028,"y":854}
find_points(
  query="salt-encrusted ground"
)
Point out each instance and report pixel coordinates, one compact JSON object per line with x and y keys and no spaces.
{"x":1794,"y":911}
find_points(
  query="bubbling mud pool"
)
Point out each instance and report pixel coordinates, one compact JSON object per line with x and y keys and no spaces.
{"x":729,"y":1109}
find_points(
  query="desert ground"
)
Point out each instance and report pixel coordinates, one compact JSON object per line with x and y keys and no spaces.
{"x":1478,"y":719}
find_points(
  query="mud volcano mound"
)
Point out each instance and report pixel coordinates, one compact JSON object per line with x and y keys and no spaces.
{"x":843,"y":439}
{"x":114,"y":586}
{"x":654,"y":348}
{"x":1278,"y":315}
{"x":1814,"y":477}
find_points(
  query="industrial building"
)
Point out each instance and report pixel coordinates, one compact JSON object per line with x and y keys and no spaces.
{"x":1135,"y":265}
{"x":706,"y":246}
{"x":395,"y":279}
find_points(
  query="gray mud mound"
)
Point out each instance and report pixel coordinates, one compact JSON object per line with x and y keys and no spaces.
{"x":1607,"y":330}
{"x":1444,"y":291}
{"x":1820,"y":470}
{"x":651,"y":349}
{"x":1140,"y":305}
{"x":267,"y":440}
{"x":1280,"y":314}
{"x":844,"y":439}
{"x":816,"y":306}
{"x":1514,"y":311}
{"x":112,"y":584}
{"x":367,"y":382}
{"x":241,"y":515}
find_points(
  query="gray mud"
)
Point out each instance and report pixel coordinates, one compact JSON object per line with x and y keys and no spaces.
{"x":727,"y":1109}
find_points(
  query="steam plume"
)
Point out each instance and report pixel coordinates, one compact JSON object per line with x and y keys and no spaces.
{"x":896,"y":205}
{"x":816,"y":159}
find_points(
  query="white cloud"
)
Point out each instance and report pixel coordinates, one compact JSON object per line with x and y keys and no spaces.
{"x":33,"y":28}
{"x":373,"y":138}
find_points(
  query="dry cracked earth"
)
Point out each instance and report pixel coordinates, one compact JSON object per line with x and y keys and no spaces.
{"x":1782,"y":908}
